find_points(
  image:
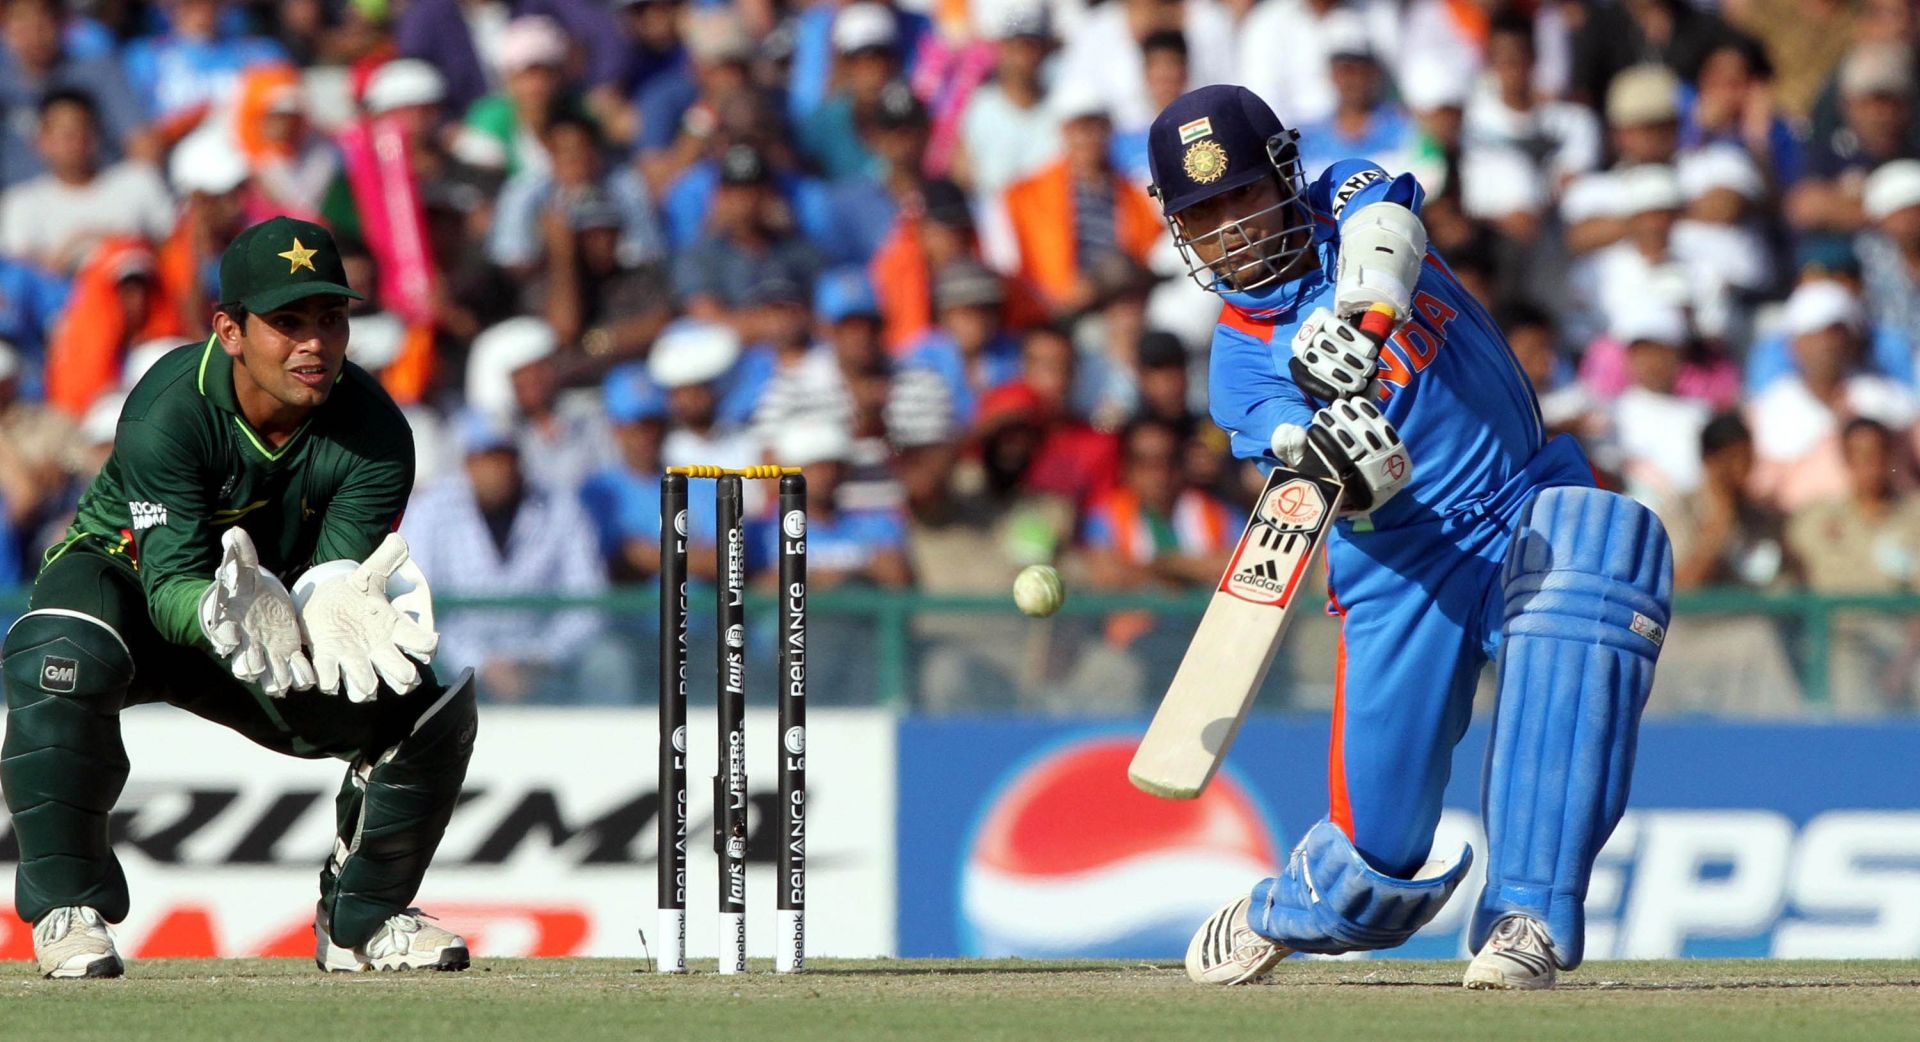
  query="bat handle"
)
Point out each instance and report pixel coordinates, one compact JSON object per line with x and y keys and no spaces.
{"x":1377,"y":322}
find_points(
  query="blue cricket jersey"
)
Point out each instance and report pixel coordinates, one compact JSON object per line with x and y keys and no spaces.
{"x":1448,"y":381}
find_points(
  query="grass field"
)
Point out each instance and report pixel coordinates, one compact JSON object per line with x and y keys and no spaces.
{"x":569,"y":999}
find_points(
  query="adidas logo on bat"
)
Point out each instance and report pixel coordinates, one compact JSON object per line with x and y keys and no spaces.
{"x":1262,"y":576}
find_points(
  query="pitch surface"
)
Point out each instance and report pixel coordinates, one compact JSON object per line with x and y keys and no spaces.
{"x":929,"y":1001}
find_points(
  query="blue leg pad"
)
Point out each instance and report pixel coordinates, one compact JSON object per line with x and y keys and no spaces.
{"x":1588,"y":581}
{"x":1329,"y":900}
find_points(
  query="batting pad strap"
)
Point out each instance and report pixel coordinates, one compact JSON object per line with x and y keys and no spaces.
{"x":1329,"y":900}
{"x":1588,"y":581}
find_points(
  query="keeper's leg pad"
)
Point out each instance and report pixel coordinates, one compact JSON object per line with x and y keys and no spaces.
{"x":1588,"y":581}
{"x":62,"y":763}
{"x":393,"y":809}
{"x":1329,"y":900}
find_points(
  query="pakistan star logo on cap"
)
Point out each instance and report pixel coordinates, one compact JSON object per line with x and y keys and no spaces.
{"x":1206,"y":162}
{"x":301,"y":257}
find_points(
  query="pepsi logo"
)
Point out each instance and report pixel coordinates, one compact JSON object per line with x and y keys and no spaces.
{"x":1070,"y":860}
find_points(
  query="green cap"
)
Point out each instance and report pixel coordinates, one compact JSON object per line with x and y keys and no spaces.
{"x":279,"y":261}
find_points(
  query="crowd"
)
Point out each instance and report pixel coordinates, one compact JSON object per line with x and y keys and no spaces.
{"x":909,"y":246}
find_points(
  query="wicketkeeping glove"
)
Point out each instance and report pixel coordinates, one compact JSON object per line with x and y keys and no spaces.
{"x":359,"y":636}
{"x":250,"y":620}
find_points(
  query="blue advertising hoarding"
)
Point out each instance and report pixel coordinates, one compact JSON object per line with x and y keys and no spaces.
{"x":1022,"y":837}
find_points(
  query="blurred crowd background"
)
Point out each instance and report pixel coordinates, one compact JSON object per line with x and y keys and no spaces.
{"x":909,"y":247}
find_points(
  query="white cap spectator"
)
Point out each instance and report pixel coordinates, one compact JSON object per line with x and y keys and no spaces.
{"x":1071,"y":101}
{"x":377,"y":340}
{"x":1646,"y":188}
{"x":498,"y":352}
{"x":1011,"y":20}
{"x":141,"y":356}
{"x":716,"y":35}
{"x":1643,"y":95}
{"x":103,"y":418}
{"x":1718,"y":167}
{"x":206,"y":162}
{"x":1651,"y":323}
{"x":691,"y":353}
{"x":1891,"y":188}
{"x":1428,"y":82}
{"x":1821,"y":304}
{"x":1500,"y":182}
{"x":404,"y":83}
{"x":1346,"y":35}
{"x":530,"y":41}
{"x":863,"y":26}
{"x":1879,"y":67}
{"x":807,"y":442}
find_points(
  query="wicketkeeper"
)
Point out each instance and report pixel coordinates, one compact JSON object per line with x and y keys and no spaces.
{"x":236,"y":558}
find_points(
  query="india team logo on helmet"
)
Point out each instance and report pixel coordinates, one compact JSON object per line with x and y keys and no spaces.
{"x":1069,"y":860}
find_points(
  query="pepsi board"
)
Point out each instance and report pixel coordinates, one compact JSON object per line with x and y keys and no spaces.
{"x":1022,"y":837}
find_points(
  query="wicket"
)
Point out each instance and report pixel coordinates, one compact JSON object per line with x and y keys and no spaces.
{"x":730,"y":784}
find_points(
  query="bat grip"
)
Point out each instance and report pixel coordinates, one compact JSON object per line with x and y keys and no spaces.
{"x":1376,"y":323}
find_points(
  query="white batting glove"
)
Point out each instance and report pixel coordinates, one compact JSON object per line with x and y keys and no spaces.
{"x":1382,"y":246}
{"x":360,"y":638}
{"x":1358,"y":445}
{"x":250,"y":620}
{"x":1332,"y":359}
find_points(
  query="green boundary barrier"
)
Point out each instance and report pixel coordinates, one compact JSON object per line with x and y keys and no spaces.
{"x":893,"y":612}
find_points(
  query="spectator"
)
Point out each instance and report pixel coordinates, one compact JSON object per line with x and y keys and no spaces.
{"x":865,"y":205}
{"x":1103,"y":55}
{"x":1652,"y":431}
{"x":542,"y":212}
{"x":1300,"y":89}
{"x":34,"y":62}
{"x":1566,"y":407}
{"x":749,"y":239}
{"x":490,"y":532}
{"x":211,"y":180}
{"x":30,"y":301}
{"x":623,"y":497}
{"x":865,"y":38}
{"x":971,"y":350}
{"x":1074,"y":460}
{"x":1877,"y":87}
{"x":654,"y":48}
{"x":858,"y":546}
{"x":933,"y":231}
{"x":54,"y":220}
{"x":1890,"y":247}
{"x":1364,"y":125}
{"x":1798,"y":418}
{"x":33,"y":447}
{"x":1008,"y":132}
{"x":679,"y":110}
{"x":1164,"y":64}
{"x":688,"y":362}
{"x":507,"y":130}
{"x":1612,"y":38}
{"x":1165,"y":388}
{"x":512,"y":378}
{"x":1063,"y":219}
{"x":1867,"y":541}
{"x":1558,"y":140}
{"x":1151,"y":530}
{"x":1805,"y":38}
{"x":292,"y":166}
{"x":1737,"y":105}
{"x":117,"y":303}
{"x":1725,"y":537}
{"x":1659,"y":258}
{"x":1889,"y":352}
{"x":195,"y":68}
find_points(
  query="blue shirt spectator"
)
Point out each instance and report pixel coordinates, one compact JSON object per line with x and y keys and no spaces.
{"x":34,"y":60}
{"x":194,"y":64}
{"x":576,"y":177}
{"x":30,"y":302}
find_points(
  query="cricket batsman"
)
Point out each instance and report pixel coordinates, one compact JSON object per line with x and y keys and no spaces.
{"x":1467,"y":535}
{"x":258,"y":459}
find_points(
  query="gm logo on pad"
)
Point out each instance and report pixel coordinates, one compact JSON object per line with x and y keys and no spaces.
{"x":59,"y":674}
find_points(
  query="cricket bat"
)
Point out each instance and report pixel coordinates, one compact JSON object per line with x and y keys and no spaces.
{"x":1238,"y":636}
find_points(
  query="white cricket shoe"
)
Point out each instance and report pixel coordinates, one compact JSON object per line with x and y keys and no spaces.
{"x":74,"y":942}
{"x":406,"y":942}
{"x":1516,"y":957}
{"x":1227,"y":951}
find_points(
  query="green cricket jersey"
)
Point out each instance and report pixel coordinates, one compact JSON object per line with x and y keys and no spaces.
{"x":185,"y":465}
